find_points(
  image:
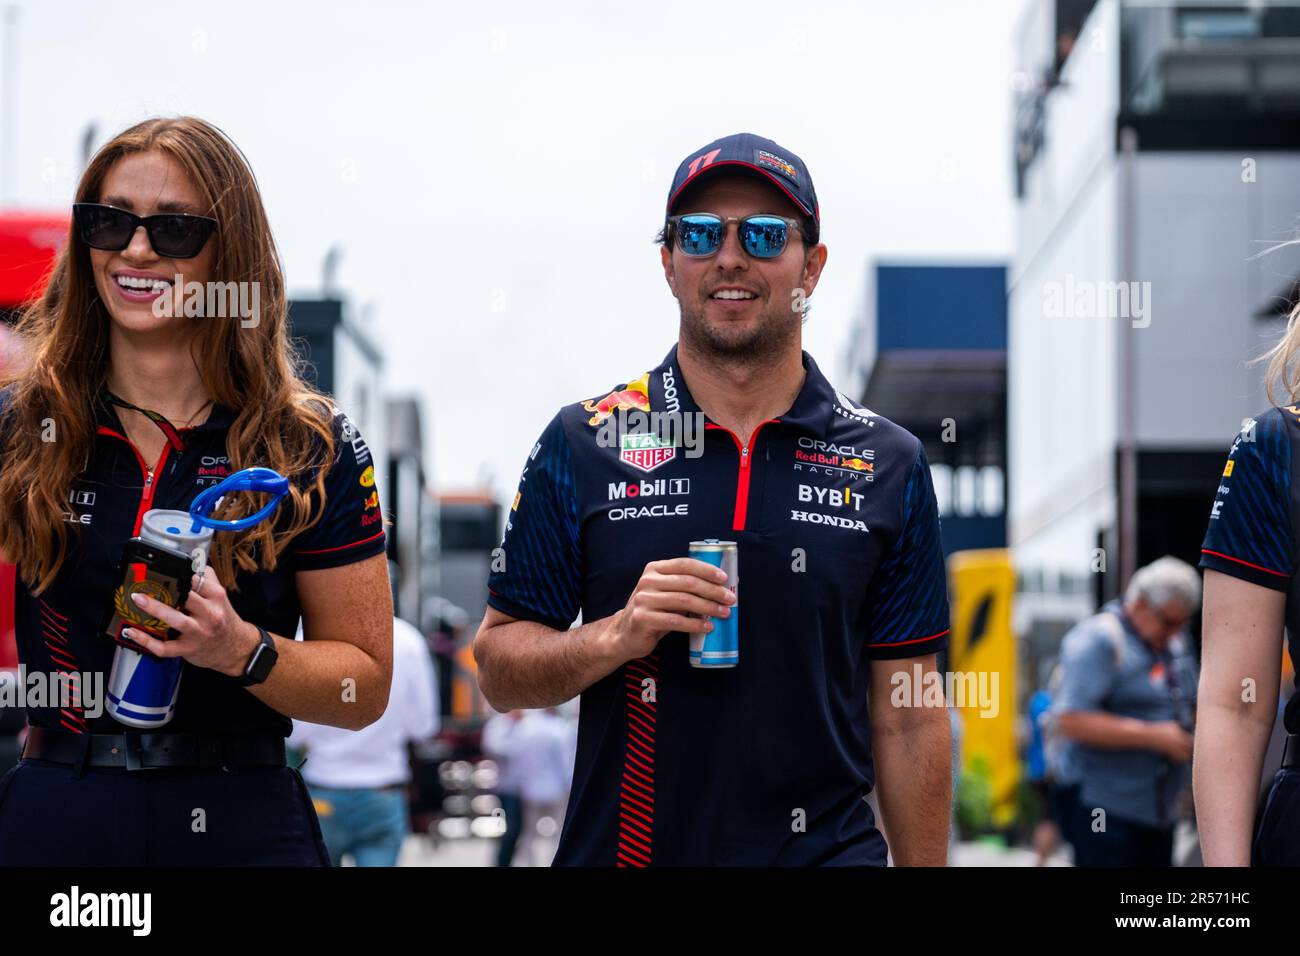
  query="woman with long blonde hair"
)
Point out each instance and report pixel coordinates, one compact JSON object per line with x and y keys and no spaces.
{"x":1252,"y":594}
{"x":133,"y":398}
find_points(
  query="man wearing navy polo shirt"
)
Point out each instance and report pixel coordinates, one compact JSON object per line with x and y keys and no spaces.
{"x":736,"y":436}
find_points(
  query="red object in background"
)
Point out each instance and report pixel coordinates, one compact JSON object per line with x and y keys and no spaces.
{"x":8,"y":644}
{"x":29,"y":243}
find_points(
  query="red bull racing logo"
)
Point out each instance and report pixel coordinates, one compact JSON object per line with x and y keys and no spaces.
{"x":772,"y":161}
{"x":634,"y":395}
{"x":827,"y":458}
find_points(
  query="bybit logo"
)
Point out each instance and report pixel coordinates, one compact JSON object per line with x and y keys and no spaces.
{"x":834,"y":497}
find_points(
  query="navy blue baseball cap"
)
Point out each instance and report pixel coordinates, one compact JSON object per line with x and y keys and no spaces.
{"x":747,"y":151}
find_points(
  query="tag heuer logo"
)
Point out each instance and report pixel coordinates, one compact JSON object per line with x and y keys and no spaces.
{"x":647,"y":452}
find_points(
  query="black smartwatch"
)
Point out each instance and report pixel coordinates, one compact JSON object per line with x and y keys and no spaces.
{"x":259,"y":665}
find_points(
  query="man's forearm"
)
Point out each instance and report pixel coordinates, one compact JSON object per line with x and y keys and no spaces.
{"x":914,"y":768}
{"x":1095,"y":728}
{"x":524,"y":664}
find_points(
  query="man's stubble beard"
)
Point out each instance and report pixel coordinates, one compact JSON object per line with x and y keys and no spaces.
{"x":763,"y":345}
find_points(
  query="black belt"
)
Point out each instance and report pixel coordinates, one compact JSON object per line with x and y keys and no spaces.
{"x":1291,"y":753}
{"x":151,"y":751}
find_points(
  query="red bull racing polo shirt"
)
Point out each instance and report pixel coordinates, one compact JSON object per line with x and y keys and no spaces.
{"x":59,"y":630}
{"x":840,"y":563}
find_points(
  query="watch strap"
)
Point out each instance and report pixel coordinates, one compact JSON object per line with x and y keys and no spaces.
{"x":265,"y":651}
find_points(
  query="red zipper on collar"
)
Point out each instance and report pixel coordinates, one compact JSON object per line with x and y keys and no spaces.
{"x":742,"y":477}
{"x":150,"y":477}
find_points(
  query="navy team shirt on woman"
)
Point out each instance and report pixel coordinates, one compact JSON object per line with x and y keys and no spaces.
{"x":840,"y":563}
{"x":1250,"y":533}
{"x":60,"y":630}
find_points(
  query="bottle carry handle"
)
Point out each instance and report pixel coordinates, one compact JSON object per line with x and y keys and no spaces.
{"x":248,"y":479}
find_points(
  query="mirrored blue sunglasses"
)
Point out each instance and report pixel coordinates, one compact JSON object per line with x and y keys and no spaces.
{"x":701,"y":233}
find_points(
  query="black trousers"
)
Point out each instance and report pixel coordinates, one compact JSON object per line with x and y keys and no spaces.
{"x":1277,"y":835}
{"x":253,"y":816}
{"x":1121,"y":843}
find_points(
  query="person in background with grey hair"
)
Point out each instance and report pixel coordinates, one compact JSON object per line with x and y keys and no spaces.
{"x":1123,"y":712}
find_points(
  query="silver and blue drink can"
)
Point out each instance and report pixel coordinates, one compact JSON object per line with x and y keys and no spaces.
{"x":721,"y":646}
{"x":142,"y":690}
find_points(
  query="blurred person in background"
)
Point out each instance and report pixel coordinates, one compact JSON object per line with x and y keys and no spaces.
{"x":500,"y":743}
{"x":1251,"y":599}
{"x":1123,"y":711}
{"x":545,"y":749}
{"x":1039,"y":775}
{"x":359,"y":778}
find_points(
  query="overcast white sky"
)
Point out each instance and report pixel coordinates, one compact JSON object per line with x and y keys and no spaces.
{"x":496,"y":172}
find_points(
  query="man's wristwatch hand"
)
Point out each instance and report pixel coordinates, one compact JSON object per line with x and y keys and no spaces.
{"x":260,"y":662}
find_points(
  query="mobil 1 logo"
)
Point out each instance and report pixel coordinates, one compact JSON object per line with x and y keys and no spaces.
{"x":618,"y":490}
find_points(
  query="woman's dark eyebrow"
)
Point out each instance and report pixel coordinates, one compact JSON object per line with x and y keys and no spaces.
{"x":167,"y":205}
{"x":175,"y":206}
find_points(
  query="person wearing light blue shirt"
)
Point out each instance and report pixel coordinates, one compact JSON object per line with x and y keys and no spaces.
{"x":1124,"y":710}
{"x":358,"y":778}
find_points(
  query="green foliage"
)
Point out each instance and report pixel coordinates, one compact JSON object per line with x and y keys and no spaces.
{"x":975,"y":799}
